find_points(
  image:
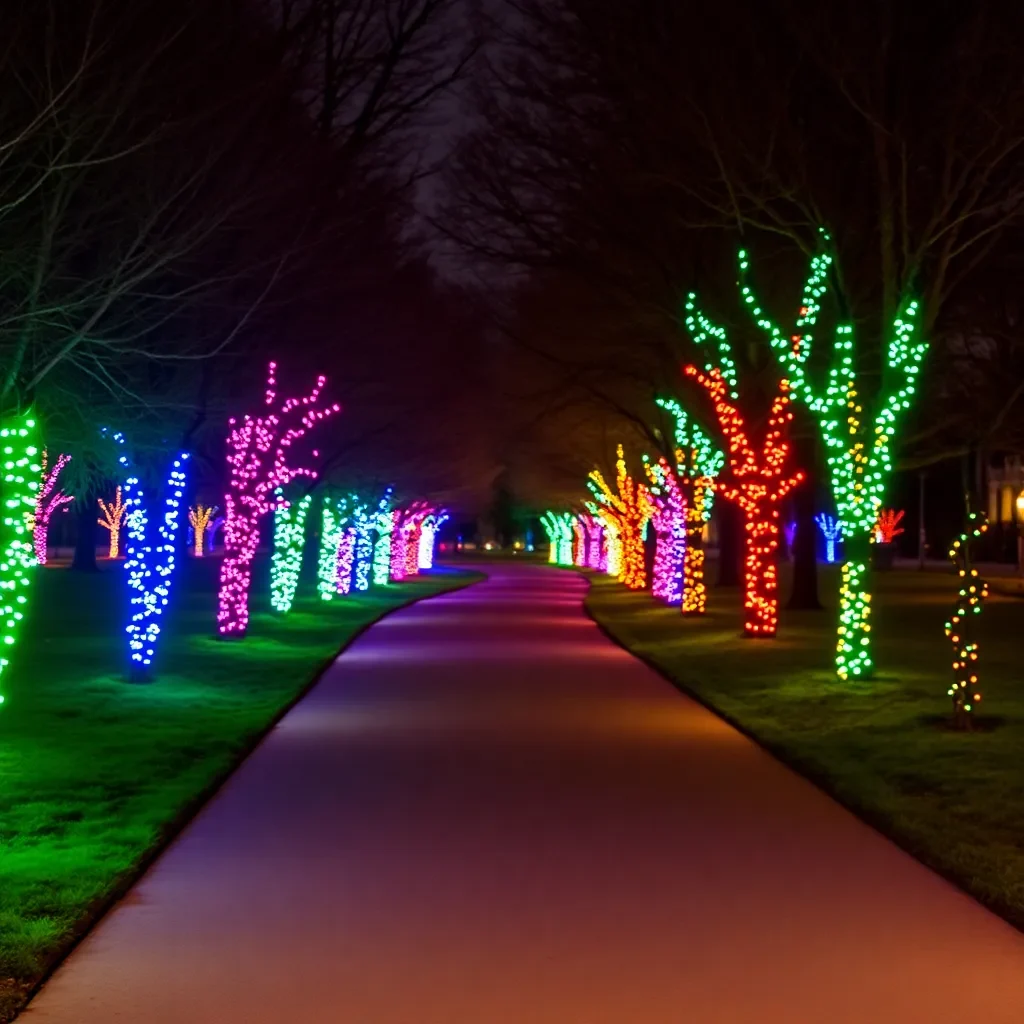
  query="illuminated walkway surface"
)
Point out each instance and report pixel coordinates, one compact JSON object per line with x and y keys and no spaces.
{"x":489,"y":814}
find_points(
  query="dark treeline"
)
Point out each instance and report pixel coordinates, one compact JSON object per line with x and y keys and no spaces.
{"x":188,"y":190}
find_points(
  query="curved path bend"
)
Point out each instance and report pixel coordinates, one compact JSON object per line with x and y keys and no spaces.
{"x":487,"y":813}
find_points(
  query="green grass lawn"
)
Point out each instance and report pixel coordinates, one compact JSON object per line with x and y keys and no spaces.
{"x":98,"y":773}
{"x":884,"y":748}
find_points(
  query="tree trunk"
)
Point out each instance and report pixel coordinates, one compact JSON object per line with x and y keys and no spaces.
{"x":853,"y":644}
{"x":728,"y":545}
{"x":694,"y":590}
{"x":761,"y":575}
{"x":85,"y":536}
{"x":804,"y":594}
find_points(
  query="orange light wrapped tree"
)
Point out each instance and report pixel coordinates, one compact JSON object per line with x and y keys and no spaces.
{"x":628,"y":508}
{"x":758,"y":477}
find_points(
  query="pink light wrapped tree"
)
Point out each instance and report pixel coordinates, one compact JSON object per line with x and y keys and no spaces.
{"x":597,"y":556}
{"x":405,"y":538}
{"x":669,"y":521}
{"x":579,"y":541}
{"x":48,"y":500}
{"x":258,"y":459}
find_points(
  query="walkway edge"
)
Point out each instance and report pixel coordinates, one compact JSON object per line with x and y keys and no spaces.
{"x":808,"y":772}
{"x":191,"y":809}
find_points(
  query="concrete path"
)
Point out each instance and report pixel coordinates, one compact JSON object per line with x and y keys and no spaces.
{"x":489,"y":814}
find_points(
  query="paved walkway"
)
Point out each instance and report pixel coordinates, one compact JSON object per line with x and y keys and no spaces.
{"x":489,"y":814}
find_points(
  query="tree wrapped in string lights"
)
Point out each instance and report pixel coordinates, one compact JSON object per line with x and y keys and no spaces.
{"x":629,"y":507}
{"x":150,"y":566}
{"x":597,"y":557}
{"x":887,"y":525}
{"x":758,"y":478}
{"x":112,"y":521}
{"x":857,"y":430}
{"x":199,"y":519}
{"x":337,"y":544}
{"x":20,"y":480}
{"x":405,"y":539}
{"x":259,"y":447}
{"x":611,"y":540}
{"x":428,"y":538}
{"x":698,"y":463}
{"x":362,"y":549}
{"x":579,"y":542}
{"x":832,"y":531}
{"x":670,"y":524}
{"x":289,"y":540}
{"x":383,"y":524}
{"x":558,"y":527}
{"x":966,"y":690}
{"x":48,"y":499}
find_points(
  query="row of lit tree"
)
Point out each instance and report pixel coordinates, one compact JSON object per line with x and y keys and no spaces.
{"x":362,"y":543}
{"x":753,"y":468}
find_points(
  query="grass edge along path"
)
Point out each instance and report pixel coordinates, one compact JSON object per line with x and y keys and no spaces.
{"x":27,"y":960}
{"x":884,"y":750}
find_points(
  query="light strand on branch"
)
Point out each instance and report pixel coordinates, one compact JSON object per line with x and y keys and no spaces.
{"x":966,"y":690}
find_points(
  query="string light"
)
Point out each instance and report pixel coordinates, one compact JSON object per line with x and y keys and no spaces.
{"x":670,"y":525}
{"x":579,"y":542}
{"x":596,"y":556}
{"x":611,"y":554}
{"x":289,"y":540}
{"x":405,"y":539}
{"x":346,"y":556}
{"x":757,"y":487}
{"x":629,"y":506}
{"x":113,"y":520}
{"x":858,"y":446}
{"x":150,"y":567}
{"x":199,"y":519}
{"x":428,"y":538}
{"x":966,"y":690}
{"x":832,"y":531}
{"x":559,"y":528}
{"x":334,"y":516}
{"x":48,"y":500}
{"x":698,"y":463}
{"x":258,"y":459}
{"x":21,"y":484}
{"x":383,"y":523}
{"x":887,"y":525}
{"x":362,"y":551}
